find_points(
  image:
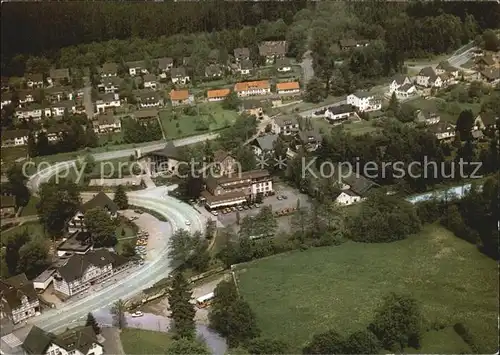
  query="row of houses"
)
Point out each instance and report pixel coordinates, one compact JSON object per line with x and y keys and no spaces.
{"x":19,"y":137}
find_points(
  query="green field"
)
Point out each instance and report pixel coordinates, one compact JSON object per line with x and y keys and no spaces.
{"x":33,"y":228}
{"x":301,"y":293}
{"x":138,"y":341}
{"x":211,"y":117}
{"x":356,"y":128}
{"x":30,"y":208}
{"x":432,"y":105}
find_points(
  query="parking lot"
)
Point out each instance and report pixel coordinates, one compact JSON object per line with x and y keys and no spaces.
{"x":285,"y":197}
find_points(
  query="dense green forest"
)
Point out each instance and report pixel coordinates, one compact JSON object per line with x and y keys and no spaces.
{"x":404,"y":29}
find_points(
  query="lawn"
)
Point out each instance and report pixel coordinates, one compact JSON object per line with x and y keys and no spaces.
{"x":33,"y":228}
{"x":138,"y":341}
{"x":356,"y":128}
{"x":211,"y":117}
{"x":433,"y":105}
{"x":314,"y":290}
{"x":30,"y":208}
{"x":11,"y":154}
{"x":124,"y":233}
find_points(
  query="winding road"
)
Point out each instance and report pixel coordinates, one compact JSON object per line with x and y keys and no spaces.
{"x":176,"y":212}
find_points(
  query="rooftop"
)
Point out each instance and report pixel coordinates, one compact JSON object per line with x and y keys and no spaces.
{"x":179,"y":95}
{"x":145,"y":114}
{"x":268,"y":48}
{"x":169,"y":151}
{"x":178,"y":72}
{"x":100,"y":200}
{"x":59,"y":73}
{"x":241,"y":53}
{"x":248,"y":85}
{"x":291,"y":85}
{"x":77,"y":242}
{"x":218,"y":93}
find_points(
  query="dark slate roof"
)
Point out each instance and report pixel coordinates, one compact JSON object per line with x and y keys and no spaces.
{"x":59,"y":73}
{"x":429,"y":72}
{"x":251,"y":104}
{"x":266,"y":142}
{"x":400,"y":78}
{"x":109,"y":68}
{"x":36,"y":77}
{"x":213,"y":69}
{"x":307,"y":136}
{"x":76,"y":265}
{"x":491,"y":73}
{"x":178,"y":72}
{"x":349,"y":42}
{"x":268,"y":48}
{"x":165,"y":62}
{"x":241,"y":53}
{"x":136,"y":64}
{"x":362,"y":94}
{"x":445,"y":65}
{"x":246,"y":64}
{"x":337,"y":110}
{"x":405,"y":87}
{"x":149,"y":77}
{"x":77,"y":339}
{"x":488,"y":118}
{"x":169,"y":151}
{"x":359,"y":184}
{"x":100,"y":200}
{"x":37,"y":341}
{"x":285,"y":120}
{"x":487,"y":59}
{"x":14,"y":288}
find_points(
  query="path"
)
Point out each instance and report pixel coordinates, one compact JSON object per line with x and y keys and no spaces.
{"x":87,"y":101}
{"x":113,"y":343}
{"x":307,"y":66}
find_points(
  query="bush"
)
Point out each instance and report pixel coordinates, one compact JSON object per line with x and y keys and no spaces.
{"x":465,"y":334}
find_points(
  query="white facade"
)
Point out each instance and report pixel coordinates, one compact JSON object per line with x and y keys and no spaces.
{"x":402,"y":92}
{"x":91,"y":274}
{"x":183,"y":80}
{"x":150,"y":85}
{"x":5,"y":102}
{"x":137,"y":70}
{"x":254,"y":91}
{"x":426,"y":81}
{"x":262,"y":187}
{"x":55,"y":349}
{"x":364,"y":103}
{"x":394,"y":85}
{"x":445,"y":135}
{"x":59,"y":110}
{"x":102,"y":105}
{"x":288,"y":91}
{"x":35,"y":114}
{"x":115,"y":126}
{"x":285,"y":129}
{"x":245,"y":71}
{"x":285,"y":69}
{"x":346,"y":199}
{"x":26,"y":310}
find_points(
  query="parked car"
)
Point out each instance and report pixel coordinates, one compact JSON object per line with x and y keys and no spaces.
{"x":188,"y":223}
{"x":279,"y":197}
{"x":137,"y":314}
{"x":240,"y":208}
{"x":233,"y":209}
{"x":284,"y":197}
{"x":215,"y":213}
{"x":245,"y":207}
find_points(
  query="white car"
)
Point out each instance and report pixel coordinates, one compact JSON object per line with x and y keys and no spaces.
{"x":188,"y":223}
{"x":137,"y":314}
{"x":215,"y":213}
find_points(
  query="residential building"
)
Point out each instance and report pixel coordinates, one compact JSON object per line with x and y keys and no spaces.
{"x":146,"y":115}
{"x":285,"y":125}
{"x":163,"y":161}
{"x":398,"y":81}
{"x":241,"y":54}
{"x":107,"y":101}
{"x":272,"y":50}
{"x":179,"y":76}
{"x":246,"y":67}
{"x":339,"y":113}
{"x":107,"y":123}
{"x":34,"y":80}
{"x":18,"y":298}
{"x":251,"y":88}
{"x":164,"y":65}
{"x":181,"y":97}
{"x":77,"y":223}
{"x":150,"y":81}
{"x":109,"y":84}
{"x":485,"y":62}
{"x":290,"y":87}
{"x":217,"y":95}
{"x":56,"y":132}
{"x":214,"y":57}
{"x":59,"y":76}
{"x":57,"y":93}
{"x":137,"y":67}
{"x":77,"y":341}
{"x":108,"y":69}
{"x":406,"y":90}
{"x":225,"y":163}
{"x":283,"y":65}
{"x":149,"y":99}
{"x":58,"y":108}
{"x":346,"y":198}
{"x":486,"y":120}
{"x":7,"y":205}
{"x":33,"y":111}
{"x":427,"y":77}
{"x":14,"y":137}
{"x":230,"y":190}
{"x":350,"y":43}
{"x":490,"y":75}
{"x":427,"y":118}
{"x":213,"y":71}
{"x":309,"y":140}
{"x":83,"y":270}
{"x":364,"y":101}
{"x":356,"y":184}
{"x":446,"y":67}
{"x":252,"y":107}
{"x":42,"y":281}
{"x":443,"y":130}
{"x":264,"y":144}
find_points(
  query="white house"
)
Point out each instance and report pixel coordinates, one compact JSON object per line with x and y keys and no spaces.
{"x":398,"y":81}
{"x":443,"y":130}
{"x":136,"y":68}
{"x":179,"y":76}
{"x":406,"y":90}
{"x":150,"y":81}
{"x":427,"y":118}
{"x":77,"y":223}
{"x":286,"y":125}
{"x":18,"y":299}
{"x":364,"y":101}
{"x":106,"y":123}
{"x":264,"y":144}
{"x":427,"y":77}
{"x":33,"y":111}
{"x":164,"y":65}
{"x":110,"y":84}
{"x":339,"y":113}
{"x":59,"y":107}
{"x":283,"y":65}
{"x":347,"y":197}
{"x":107,"y":101}
{"x":34,"y":80}
{"x":245,"y":67}
{"x":14,"y":138}
{"x":77,"y":341}
{"x":218,"y":94}
{"x":250,"y":88}
{"x":446,"y":67}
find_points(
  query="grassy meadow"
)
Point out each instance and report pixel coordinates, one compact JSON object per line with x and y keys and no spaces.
{"x":301,"y":293}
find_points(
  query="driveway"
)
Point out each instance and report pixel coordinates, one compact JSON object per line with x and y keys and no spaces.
{"x":87,"y":101}
{"x":307,"y":66}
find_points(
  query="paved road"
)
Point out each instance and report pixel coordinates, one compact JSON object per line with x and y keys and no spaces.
{"x":145,"y":276}
{"x":149,"y":321}
{"x":457,"y":59}
{"x":61,"y":167}
{"x":87,"y":101}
